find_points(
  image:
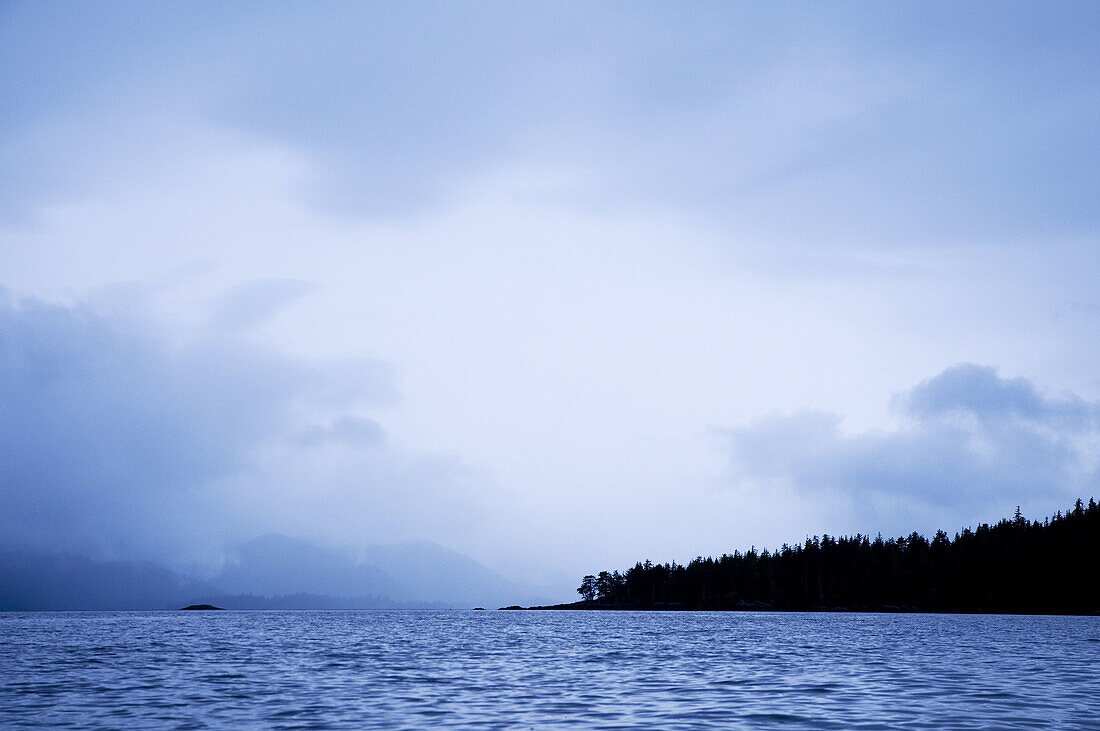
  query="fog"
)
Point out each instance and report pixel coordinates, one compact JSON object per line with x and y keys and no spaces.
{"x":556,"y":287}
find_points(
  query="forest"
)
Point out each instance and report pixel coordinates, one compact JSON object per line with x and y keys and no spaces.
{"x":1015,"y":566}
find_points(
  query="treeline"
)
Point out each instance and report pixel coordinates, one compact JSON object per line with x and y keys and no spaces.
{"x":1016,"y":565}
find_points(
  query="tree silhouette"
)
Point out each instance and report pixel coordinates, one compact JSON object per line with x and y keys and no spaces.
{"x":587,"y":588}
{"x":1016,"y":565}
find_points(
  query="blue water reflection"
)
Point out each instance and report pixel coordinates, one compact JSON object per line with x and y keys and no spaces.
{"x":537,"y":669}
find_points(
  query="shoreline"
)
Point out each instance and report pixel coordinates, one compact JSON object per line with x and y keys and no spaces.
{"x":596,"y":606}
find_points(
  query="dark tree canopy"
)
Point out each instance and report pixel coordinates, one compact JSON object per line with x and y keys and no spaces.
{"x":1016,"y":565}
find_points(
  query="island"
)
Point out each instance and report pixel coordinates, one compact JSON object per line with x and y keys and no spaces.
{"x":201,"y":607}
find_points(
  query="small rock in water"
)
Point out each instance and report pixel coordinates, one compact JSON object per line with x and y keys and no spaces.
{"x":202,"y":606}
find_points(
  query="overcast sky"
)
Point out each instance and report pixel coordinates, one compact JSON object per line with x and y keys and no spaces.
{"x":560,"y":286}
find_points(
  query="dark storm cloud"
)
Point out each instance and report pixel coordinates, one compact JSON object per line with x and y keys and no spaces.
{"x":108,"y":434}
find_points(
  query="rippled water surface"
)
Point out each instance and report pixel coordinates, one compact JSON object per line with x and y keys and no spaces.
{"x":536,"y":669}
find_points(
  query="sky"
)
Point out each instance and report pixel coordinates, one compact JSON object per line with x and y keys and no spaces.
{"x":560,"y":286}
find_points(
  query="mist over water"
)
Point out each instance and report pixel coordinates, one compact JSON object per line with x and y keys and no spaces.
{"x":420,"y":669}
{"x":486,"y":276}
{"x":352,"y":317}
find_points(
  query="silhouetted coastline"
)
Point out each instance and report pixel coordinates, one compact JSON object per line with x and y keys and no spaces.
{"x":1014,"y":567}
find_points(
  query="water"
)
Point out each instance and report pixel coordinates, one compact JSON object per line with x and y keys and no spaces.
{"x":536,"y":669}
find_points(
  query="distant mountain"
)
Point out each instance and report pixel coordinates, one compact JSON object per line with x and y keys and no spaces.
{"x":401,"y":572}
{"x":431,"y":572}
{"x":273,"y":565}
{"x":314,"y":601}
{"x":35,"y":581}
{"x":269,"y":572}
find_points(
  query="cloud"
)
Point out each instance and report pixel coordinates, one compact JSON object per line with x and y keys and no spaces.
{"x":582,"y":234}
{"x":346,"y":429}
{"x":819,"y":124}
{"x":116,"y":442}
{"x":977,"y":391}
{"x":971,"y":446}
{"x":251,"y":303}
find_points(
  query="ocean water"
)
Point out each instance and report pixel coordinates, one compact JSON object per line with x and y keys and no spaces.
{"x":432,"y":669}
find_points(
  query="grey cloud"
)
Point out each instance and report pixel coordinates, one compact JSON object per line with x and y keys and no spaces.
{"x":978,"y":391}
{"x":98,"y":419}
{"x":345,"y":430}
{"x":816,"y":123}
{"x":343,"y":382}
{"x":98,"y":389}
{"x":115,"y":443}
{"x":970,"y":442}
{"x":251,"y":303}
